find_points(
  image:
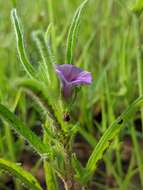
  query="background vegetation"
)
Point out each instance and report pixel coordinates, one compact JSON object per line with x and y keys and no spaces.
{"x":110,"y":46}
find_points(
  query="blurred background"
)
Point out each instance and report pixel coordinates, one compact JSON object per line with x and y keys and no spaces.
{"x":110,"y":46}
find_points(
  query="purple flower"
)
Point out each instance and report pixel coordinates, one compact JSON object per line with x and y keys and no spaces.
{"x":72,"y":76}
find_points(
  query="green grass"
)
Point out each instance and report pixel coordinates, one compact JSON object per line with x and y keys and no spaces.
{"x":106,"y":40}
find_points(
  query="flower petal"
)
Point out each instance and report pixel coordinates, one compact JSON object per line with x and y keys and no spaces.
{"x":67,"y":91}
{"x":83,"y":78}
{"x":72,"y":76}
{"x":68,"y":72}
{"x":61,"y":74}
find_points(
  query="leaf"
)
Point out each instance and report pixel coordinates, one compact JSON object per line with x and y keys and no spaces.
{"x":73,"y":31}
{"x":137,"y":8}
{"x":77,"y":167}
{"x":47,"y":33}
{"x":24,"y":131}
{"x":25,"y":177}
{"x":47,"y":65}
{"x":108,"y":137}
{"x":38,"y":37}
{"x":30,"y":70}
{"x":38,"y":92}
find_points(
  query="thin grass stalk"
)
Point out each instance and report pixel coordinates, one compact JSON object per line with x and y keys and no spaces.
{"x":140,"y":86}
{"x":10,"y":140}
{"x":111,"y":120}
{"x":126,"y":181}
{"x":137,"y":152}
{"x":50,"y":178}
{"x":139,"y":63}
{"x":51,"y":20}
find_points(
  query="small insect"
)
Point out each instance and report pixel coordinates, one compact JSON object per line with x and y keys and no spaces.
{"x":66,"y":117}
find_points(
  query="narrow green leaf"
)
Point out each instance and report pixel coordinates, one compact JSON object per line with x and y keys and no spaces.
{"x":73,"y":31}
{"x":109,"y":136}
{"x":24,"y":131}
{"x":50,"y":177}
{"x":38,"y":37}
{"x":77,"y":167}
{"x":47,"y":65}
{"x":38,"y":92}
{"x":48,"y":31}
{"x":138,"y":7}
{"x":20,"y":46}
{"x":25,"y":177}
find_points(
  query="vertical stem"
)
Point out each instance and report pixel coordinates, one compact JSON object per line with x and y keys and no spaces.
{"x":9,"y":137}
{"x":71,"y":182}
{"x":126,"y":181}
{"x":137,"y":152}
{"x":140,"y":86}
{"x":139,"y":63}
{"x":104,"y":115}
{"x":50,"y":178}
{"x":51,"y":19}
{"x":111,"y":119}
{"x":49,"y":173}
{"x":10,"y":144}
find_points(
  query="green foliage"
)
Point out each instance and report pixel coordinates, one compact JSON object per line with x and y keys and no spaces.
{"x":111,"y":48}
{"x":20,"y":46}
{"x":73,"y":32}
{"x":109,"y":135}
{"x":79,"y":169}
{"x":47,"y":64}
{"x":38,"y":92}
{"x":24,"y":131}
{"x":137,"y":8}
{"x":28,"y":180}
{"x":41,"y":44}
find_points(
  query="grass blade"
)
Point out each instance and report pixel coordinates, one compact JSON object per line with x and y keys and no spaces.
{"x":110,"y":135}
{"x":24,"y":131}
{"x":51,"y":19}
{"x":20,"y":46}
{"x":73,"y":31}
{"x":25,"y":177}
